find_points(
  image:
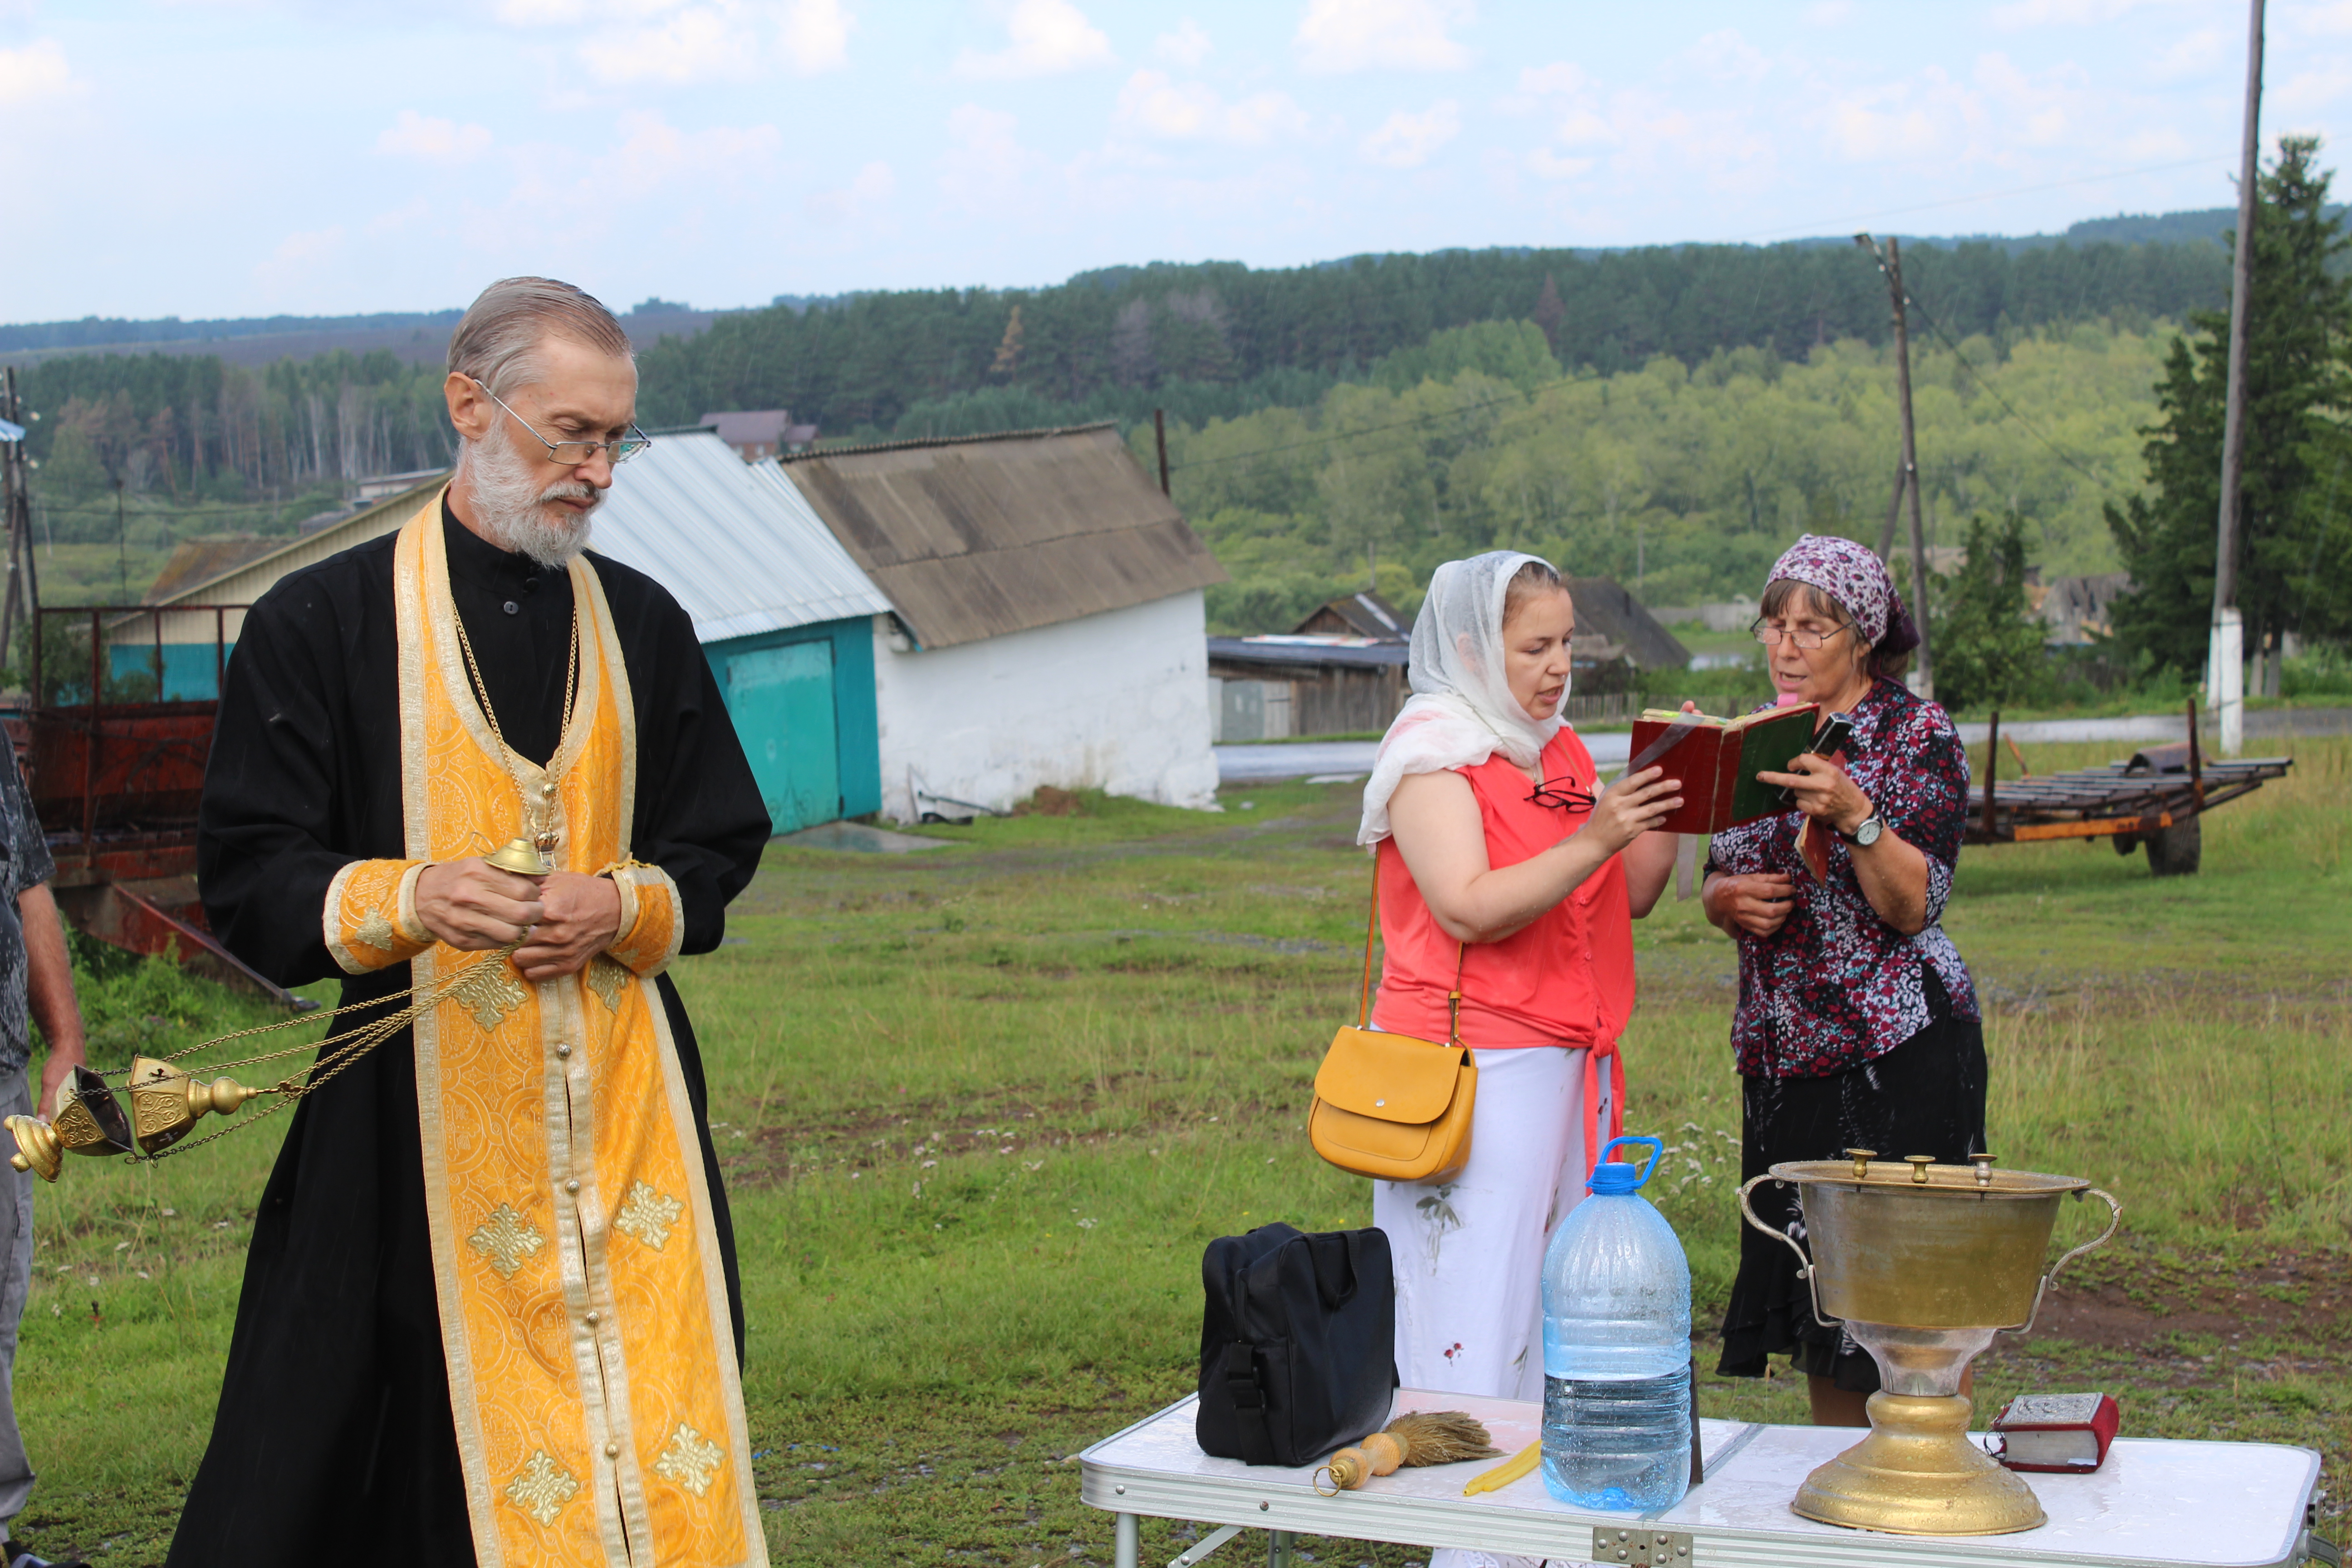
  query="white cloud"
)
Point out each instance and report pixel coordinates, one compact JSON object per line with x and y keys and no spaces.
{"x":299,"y":260}
{"x":698,"y":43}
{"x":36,"y":72}
{"x":872,"y":187}
{"x":1583,"y":128}
{"x":1406,"y":141}
{"x":415,"y":135}
{"x":399,"y":218}
{"x":540,"y":12}
{"x":651,"y":149}
{"x":1187,"y":46}
{"x":814,"y":35}
{"x":699,"y":40}
{"x":1560,"y":76}
{"x":1337,"y":36}
{"x":1546,"y":164}
{"x":2322,"y":85}
{"x":1829,"y":12}
{"x":2064,"y":13}
{"x":1047,"y":38}
{"x":1156,"y":105}
{"x":1727,"y":57}
{"x":984,"y":165}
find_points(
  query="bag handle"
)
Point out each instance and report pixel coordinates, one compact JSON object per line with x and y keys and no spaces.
{"x":1371,"y":930}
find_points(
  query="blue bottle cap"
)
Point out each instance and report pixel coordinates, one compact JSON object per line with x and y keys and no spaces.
{"x":1612,"y":1178}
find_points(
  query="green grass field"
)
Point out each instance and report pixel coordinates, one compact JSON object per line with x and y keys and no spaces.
{"x":983,"y":1107}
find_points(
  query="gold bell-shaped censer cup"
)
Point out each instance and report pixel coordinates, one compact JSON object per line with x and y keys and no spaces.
{"x":1923,"y":1264}
{"x":84,"y":1118}
{"x":166,"y":1103}
{"x":524,"y":856}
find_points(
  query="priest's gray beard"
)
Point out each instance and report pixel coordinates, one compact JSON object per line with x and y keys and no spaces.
{"x":517,"y":513}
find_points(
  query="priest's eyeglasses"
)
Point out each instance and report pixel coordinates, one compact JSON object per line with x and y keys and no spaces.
{"x":1564,"y":793}
{"x":1770,"y":635}
{"x":572,"y":454}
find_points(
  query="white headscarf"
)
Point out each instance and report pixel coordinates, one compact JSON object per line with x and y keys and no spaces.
{"x":1462,"y":711}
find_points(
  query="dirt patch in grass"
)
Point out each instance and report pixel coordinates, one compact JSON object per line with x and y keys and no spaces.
{"x":2139,"y":1303}
{"x":901,"y":1138}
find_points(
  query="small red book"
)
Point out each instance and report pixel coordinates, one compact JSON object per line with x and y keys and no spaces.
{"x":2066,"y":1434}
{"x":1718,"y":760}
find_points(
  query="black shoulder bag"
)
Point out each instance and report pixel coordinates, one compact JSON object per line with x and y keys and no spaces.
{"x":1298,"y":1343}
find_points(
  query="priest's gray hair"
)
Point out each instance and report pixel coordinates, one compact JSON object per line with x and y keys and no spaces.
{"x":498,"y":341}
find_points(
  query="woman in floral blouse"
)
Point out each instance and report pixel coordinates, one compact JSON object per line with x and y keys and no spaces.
{"x":1857,"y":1025}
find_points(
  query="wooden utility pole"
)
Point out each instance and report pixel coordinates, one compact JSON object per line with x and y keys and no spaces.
{"x":2225,"y":652}
{"x":1906,"y":480}
{"x":1159,"y":435}
{"x":16,"y":503}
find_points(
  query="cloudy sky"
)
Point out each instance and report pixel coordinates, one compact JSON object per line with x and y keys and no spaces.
{"x":247,"y":157}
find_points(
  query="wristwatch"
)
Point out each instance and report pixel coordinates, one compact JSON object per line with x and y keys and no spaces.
{"x":1865,"y":832}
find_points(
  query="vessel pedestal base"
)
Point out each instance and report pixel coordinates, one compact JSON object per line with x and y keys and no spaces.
{"x":1917,"y":1474}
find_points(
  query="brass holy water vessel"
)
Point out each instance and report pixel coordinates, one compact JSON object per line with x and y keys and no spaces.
{"x":1924,"y":1264}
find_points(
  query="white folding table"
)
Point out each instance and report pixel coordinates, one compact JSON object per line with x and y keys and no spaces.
{"x":2156,"y":1503}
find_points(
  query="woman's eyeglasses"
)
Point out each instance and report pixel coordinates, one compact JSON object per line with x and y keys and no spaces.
{"x":1564,"y":793}
{"x":1803,"y":638}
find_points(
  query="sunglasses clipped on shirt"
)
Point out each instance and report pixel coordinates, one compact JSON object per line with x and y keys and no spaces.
{"x":1564,"y":792}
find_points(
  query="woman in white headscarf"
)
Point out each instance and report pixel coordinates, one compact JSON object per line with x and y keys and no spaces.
{"x":1505,"y":871}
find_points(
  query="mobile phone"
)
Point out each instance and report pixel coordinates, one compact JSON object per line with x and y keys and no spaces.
{"x":1828,"y":740}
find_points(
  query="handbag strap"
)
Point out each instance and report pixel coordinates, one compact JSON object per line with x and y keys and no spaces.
{"x":1371,"y":930}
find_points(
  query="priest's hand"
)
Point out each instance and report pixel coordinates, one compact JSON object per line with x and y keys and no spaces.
{"x":582,"y":915}
{"x":473,"y":906}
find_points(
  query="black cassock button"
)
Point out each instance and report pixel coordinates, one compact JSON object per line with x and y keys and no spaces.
{"x":530,"y":584}
{"x":511,"y":607}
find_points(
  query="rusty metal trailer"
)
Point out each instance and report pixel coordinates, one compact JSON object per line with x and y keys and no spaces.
{"x":116,"y":785}
{"x":2157,"y":797}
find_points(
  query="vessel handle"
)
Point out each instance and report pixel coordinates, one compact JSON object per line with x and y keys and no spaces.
{"x":2114,"y":1218}
{"x":1804,"y":1264}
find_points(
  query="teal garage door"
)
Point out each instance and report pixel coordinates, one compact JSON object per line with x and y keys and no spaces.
{"x":781,"y":701}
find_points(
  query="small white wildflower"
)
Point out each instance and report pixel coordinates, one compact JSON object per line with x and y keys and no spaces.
{"x":929,"y":1164}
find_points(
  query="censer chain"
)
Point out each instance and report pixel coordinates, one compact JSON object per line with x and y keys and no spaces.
{"x":335,"y":1053}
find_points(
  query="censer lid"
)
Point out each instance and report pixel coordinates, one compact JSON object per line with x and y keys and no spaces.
{"x":1864,"y":1168}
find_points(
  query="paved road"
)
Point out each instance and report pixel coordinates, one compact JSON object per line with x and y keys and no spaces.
{"x":1308,"y":759}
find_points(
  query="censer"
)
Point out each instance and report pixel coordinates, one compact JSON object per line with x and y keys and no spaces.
{"x":1923,"y":1264}
{"x":166,"y":1101}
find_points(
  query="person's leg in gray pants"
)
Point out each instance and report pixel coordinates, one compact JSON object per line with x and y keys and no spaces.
{"x":16,"y":1280}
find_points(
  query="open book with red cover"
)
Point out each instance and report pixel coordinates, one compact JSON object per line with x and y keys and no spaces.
{"x":1718,"y":760}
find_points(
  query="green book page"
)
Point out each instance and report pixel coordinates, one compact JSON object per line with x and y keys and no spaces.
{"x":1769,"y":745}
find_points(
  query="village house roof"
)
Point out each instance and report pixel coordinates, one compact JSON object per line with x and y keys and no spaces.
{"x":1364,"y":615}
{"x":755,"y":433}
{"x":1605,"y":609}
{"x":978,"y":536}
{"x":1301,"y":652}
{"x":734,"y":541}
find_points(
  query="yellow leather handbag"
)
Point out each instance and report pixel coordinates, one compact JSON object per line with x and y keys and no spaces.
{"x":1388,"y":1106}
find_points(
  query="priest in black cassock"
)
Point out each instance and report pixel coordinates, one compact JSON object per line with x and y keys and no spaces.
{"x":491,"y":1311}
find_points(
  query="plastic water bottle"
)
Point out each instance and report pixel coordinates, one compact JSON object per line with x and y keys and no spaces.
{"x":1617,"y":1353}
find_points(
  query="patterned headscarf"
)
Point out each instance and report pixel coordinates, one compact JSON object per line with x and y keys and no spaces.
{"x":1855,"y":577}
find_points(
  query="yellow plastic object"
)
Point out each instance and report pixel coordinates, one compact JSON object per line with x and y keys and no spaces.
{"x":1519,"y":1464}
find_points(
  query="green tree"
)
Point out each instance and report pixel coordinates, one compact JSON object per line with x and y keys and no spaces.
{"x":1988,"y":650}
{"x":2298,"y":330}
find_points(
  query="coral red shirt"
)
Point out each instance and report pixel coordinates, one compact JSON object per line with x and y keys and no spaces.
{"x":1566,"y":980}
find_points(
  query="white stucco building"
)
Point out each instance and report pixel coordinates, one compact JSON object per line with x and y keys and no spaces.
{"x":1047,"y":624}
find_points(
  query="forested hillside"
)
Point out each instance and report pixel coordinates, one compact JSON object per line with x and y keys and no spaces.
{"x":1682,"y":482}
{"x":1662,"y":415}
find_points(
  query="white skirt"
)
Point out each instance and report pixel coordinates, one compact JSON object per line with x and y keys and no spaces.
{"x":1469,"y":1252}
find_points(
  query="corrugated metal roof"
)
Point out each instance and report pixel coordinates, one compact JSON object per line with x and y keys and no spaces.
{"x":1251,"y":650}
{"x":737,"y":544}
{"x":973,"y":539}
